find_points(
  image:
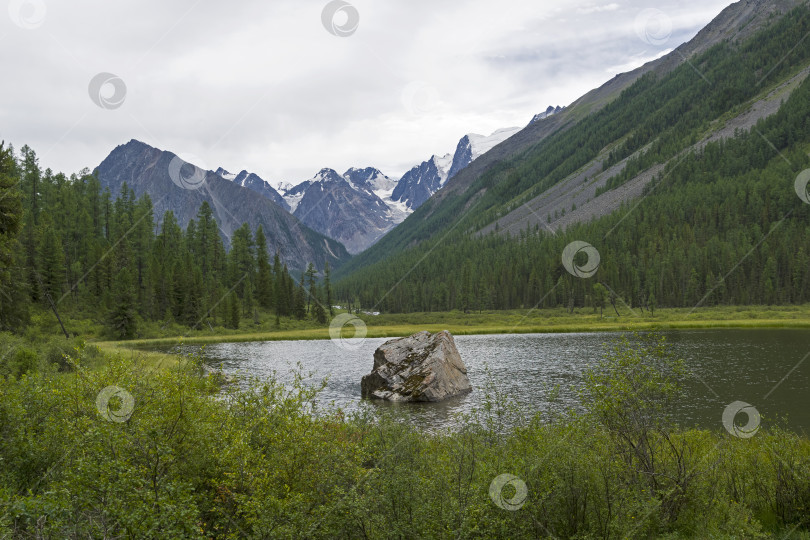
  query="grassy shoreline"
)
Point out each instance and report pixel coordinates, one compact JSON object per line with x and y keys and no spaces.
{"x":506,"y":322}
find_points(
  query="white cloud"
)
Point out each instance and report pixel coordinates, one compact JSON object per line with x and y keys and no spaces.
{"x":586,"y":10}
{"x":263,"y":86}
{"x":636,"y":62}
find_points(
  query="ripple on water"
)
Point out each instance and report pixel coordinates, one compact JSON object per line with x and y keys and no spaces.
{"x":725,"y":366}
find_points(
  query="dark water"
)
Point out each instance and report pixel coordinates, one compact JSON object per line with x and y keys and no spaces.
{"x":725,"y":365}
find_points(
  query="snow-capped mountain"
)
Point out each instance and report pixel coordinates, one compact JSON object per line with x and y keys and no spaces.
{"x":255,"y":183}
{"x":358,"y":207}
{"x":369,"y":178}
{"x":421,"y":182}
{"x":471,"y":146}
{"x":344,"y":207}
{"x":548,"y":112}
{"x":281,"y":187}
{"x":293,"y":194}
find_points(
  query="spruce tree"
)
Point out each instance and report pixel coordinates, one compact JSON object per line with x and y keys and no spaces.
{"x":327,"y":283}
{"x":235,"y":312}
{"x":310,"y":274}
{"x":318,"y":311}
{"x":300,"y":301}
{"x":264,"y":276}
{"x":13,"y":304}
{"x":51,"y":262}
{"x":194,"y":309}
{"x":122,"y":317}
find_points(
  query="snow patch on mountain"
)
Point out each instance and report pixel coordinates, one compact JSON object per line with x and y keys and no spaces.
{"x":481,"y":144}
{"x":282,"y":187}
{"x":545,"y":114}
{"x":443,"y":164}
{"x":397,"y":210}
{"x":369,"y":179}
{"x":225,"y":174}
{"x":293,"y":194}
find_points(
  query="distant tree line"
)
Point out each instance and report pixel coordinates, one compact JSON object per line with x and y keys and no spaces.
{"x":65,"y":242}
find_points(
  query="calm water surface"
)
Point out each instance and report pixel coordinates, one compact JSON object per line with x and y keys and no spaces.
{"x":727,"y":365}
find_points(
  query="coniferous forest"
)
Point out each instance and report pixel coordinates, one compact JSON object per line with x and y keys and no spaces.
{"x":68,"y":245}
{"x":678,"y":247}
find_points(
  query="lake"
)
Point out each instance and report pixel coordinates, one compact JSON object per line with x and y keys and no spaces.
{"x":726,"y":366}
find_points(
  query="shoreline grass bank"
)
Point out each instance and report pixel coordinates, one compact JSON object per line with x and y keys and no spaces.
{"x":500,"y":322}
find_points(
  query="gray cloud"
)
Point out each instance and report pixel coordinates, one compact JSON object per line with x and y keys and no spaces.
{"x":264,"y":86}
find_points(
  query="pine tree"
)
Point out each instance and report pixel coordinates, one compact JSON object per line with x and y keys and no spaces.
{"x":51,"y":261}
{"x":264,"y":276}
{"x":235,"y":312}
{"x":13,"y":305}
{"x":241,"y":260}
{"x":310,"y":274}
{"x":194,"y":309}
{"x":327,"y":283}
{"x":205,"y":243}
{"x":122,"y":318}
{"x":300,"y":301}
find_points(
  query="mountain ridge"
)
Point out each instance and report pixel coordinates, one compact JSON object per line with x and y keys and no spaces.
{"x":734,"y":24}
{"x":159,"y":173}
{"x":588,"y":139}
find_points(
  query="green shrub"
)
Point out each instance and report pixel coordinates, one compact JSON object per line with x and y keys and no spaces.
{"x":257,"y":459}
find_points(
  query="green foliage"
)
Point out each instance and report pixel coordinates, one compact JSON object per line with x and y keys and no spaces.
{"x":264,"y":274}
{"x":100,"y":258}
{"x":300,"y":300}
{"x":31,"y":354}
{"x":122,"y":318}
{"x":234,"y":312}
{"x":327,"y":285}
{"x":263,"y":462}
{"x":13,"y":309}
{"x":631,"y":395}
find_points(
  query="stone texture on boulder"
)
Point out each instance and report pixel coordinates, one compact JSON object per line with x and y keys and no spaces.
{"x":422,"y":367}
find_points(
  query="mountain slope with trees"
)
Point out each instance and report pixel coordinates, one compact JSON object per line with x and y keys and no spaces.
{"x":734,"y":25}
{"x":701,"y":215}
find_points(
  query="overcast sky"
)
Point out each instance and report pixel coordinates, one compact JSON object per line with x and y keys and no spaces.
{"x":285,"y":87}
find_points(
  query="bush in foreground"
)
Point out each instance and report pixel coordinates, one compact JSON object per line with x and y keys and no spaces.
{"x":186,"y":459}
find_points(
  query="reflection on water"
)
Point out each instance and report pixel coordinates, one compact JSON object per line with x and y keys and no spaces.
{"x":726,"y":366}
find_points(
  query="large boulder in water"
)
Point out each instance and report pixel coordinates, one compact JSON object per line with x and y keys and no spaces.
{"x":422,"y":367}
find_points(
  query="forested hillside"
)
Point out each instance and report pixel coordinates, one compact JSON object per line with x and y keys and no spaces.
{"x":719,"y":224}
{"x":68,"y":245}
